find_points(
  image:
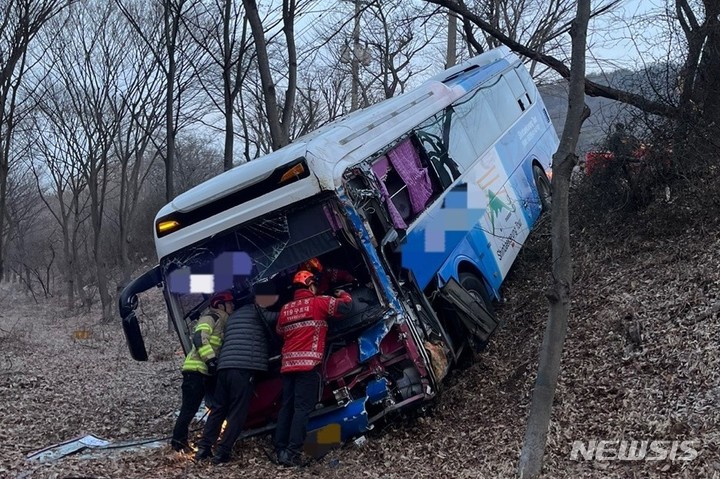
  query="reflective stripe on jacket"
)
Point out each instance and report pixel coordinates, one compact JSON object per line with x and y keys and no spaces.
{"x":303,"y":326}
{"x":208,"y":333}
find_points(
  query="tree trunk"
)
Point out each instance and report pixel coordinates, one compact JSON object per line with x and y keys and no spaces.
{"x":3,"y":194}
{"x":122,"y":223}
{"x":100,"y":269}
{"x":170,"y":38}
{"x":229,"y":130}
{"x":227,"y":89}
{"x":279,"y":139}
{"x":102,"y":285}
{"x":531,"y":457}
{"x":289,"y":31}
{"x":125,"y":266}
{"x":709,"y":76}
{"x":69,"y":272}
{"x":452,"y":40}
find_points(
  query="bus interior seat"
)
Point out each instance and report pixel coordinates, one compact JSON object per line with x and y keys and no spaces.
{"x":366,"y":310}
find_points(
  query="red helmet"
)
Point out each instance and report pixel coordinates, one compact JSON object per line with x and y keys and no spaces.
{"x":220,"y":298}
{"x":304,"y":278}
{"x":313,"y":265}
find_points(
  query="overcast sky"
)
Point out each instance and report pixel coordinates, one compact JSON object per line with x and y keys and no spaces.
{"x":628,"y":37}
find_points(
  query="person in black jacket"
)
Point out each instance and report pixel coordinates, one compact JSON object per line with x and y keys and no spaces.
{"x":244,"y":352}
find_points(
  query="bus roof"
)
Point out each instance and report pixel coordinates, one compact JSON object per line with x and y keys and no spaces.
{"x":333,"y":148}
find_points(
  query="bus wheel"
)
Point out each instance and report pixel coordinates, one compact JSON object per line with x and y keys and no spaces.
{"x":476,"y":287}
{"x":542,"y":183}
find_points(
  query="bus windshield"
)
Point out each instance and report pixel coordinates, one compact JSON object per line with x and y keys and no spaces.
{"x":276,"y":243}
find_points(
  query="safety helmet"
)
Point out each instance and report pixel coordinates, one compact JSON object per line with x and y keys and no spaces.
{"x":221,"y":298}
{"x":304,"y":278}
{"x":313,"y":265}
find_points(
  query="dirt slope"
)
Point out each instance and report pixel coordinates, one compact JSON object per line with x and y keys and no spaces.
{"x":641,"y":362}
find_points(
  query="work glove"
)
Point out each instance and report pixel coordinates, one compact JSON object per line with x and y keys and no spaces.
{"x":212,"y":366}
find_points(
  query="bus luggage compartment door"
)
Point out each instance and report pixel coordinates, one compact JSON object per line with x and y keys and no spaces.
{"x":471,"y":312}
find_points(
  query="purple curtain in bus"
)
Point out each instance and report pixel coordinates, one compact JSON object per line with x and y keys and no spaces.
{"x":406,"y":162}
{"x":380,"y":168}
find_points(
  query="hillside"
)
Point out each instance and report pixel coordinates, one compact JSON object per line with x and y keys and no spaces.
{"x":603,"y":112}
{"x":641,"y":362}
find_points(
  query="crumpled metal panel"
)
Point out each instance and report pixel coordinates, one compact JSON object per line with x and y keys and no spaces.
{"x":66,"y":448}
{"x":91,"y":447}
{"x":375,"y":264}
{"x":377,"y":390}
{"x":331,"y":430}
{"x":369,"y":341}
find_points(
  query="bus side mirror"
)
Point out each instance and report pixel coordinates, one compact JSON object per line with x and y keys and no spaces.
{"x":127,"y":302}
{"x":136,"y":344}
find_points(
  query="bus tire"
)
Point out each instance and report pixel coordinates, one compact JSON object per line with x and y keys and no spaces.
{"x":544,"y":188}
{"x":476,"y":287}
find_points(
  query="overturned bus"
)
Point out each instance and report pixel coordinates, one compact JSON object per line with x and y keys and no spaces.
{"x":425,"y":198}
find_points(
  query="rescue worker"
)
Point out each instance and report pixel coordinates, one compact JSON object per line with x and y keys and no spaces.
{"x":303,"y":327}
{"x":200,"y":365}
{"x":326,"y":277}
{"x":621,"y":144}
{"x":245,"y":351}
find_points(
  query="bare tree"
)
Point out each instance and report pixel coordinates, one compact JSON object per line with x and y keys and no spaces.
{"x":134,"y":149}
{"x":20,"y":22}
{"x":537,"y":25}
{"x":29,"y":240}
{"x":396,"y":33}
{"x":88,"y":70}
{"x":322,"y":97}
{"x":559,"y":295}
{"x":279,"y":120}
{"x":160,"y":25}
{"x":699,"y":81}
{"x":59,"y":181}
{"x":221,"y":30}
{"x":591,"y":88}
{"x":198,"y":161}
{"x":250,"y":111}
{"x":389,"y":43}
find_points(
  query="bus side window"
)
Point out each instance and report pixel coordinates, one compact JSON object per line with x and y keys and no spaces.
{"x":502,"y":100}
{"x":475,"y":127}
{"x":406,"y":185}
{"x":517,"y":88}
{"x":437,"y":185}
{"x":528,"y":83}
{"x":433,"y":137}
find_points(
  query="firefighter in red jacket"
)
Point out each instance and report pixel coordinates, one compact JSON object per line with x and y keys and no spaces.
{"x":303,"y":327}
{"x":326,"y":277}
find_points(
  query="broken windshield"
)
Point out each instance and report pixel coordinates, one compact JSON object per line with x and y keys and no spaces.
{"x":250,"y":253}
